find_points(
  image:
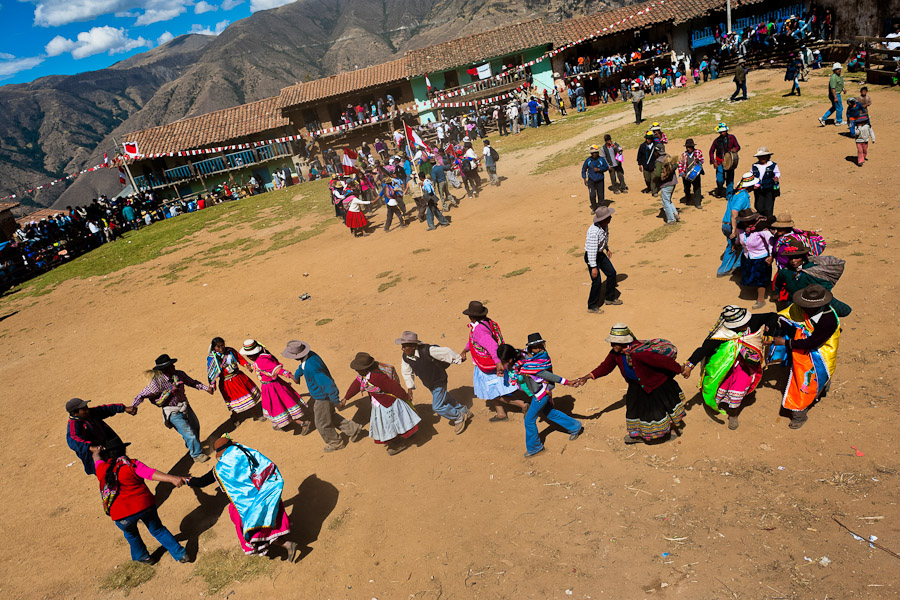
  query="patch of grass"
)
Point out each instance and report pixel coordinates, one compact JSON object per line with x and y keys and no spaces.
{"x":649,"y":211}
{"x":336,"y":522}
{"x":389,"y":284}
{"x":573,"y":250}
{"x":473,"y":265}
{"x":323,"y":322}
{"x":645,"y":262}
{"x":126,"y":577}
{"x":495,"y":240}
{"x":222,"y":568}
{"x":510,"y":237}
{"x":688,"y":255}
{"x":857,"y":254}
{"x":383,"y":274}
{"x":421,"y":250}
{"x":517,"y":272}
{"x":660,"y":233}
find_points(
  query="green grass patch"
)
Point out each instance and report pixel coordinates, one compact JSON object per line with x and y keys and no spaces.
{"x":660,"y":233}
{"x":421,"y":250}
{"x":473,"y":265}
{"x":510,"y":237}
{"x":517,"y":272}
{"x":337,"y":521}
{"x":126,"y":577}
{"x":650,"y":211}
{"x":222,"y":568}
{"x":321,"y":322}
{"x":573,"y":250}
{"x":857,"y":254}
{"x":389,"y":284}
{"x":383,"y":274}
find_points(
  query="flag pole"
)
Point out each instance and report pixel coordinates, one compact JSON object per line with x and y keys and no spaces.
{"x":125,"y":164}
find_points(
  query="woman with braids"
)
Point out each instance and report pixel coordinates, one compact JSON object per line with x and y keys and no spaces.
{"x":532,"y":372}
{"x":253,"y":485}
{"x":127,"y":499}
{"x":732,"y":358}
{"x":654,"y":403}
{"x":223,"y":369}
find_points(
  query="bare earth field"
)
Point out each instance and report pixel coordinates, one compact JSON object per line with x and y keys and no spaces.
{"x":718,"y":514}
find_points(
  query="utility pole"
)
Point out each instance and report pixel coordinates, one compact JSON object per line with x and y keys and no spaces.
{"x":134,"y":188}
{"x":728,"y":14}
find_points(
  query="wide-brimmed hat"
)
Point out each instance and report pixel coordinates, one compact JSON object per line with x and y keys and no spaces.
{"x":74,"y":404}
{"x":295,"y":349}
{"x":594,"y":148}
{"x":735,"y":316}
{"x":602,"y":213}
{"x":251,"y":348}
{"x":115,"y":443}
{"x":649,"y":134}
{"x":812,"y":296}
{"x":689,"y":143}
{"x":721,"y":127}
{"x":763,"y":151}
{"x":747,"y":214}
{"x":362,"y":361}
{"x":476,"y":309}
{"x":655,"y":127}
{"x":534,"y":339}
{"x":748,"y":180}
{"x":795,"y":248}
{"x":620,"y":334}
{"x":836,"y":66}
{"x":408,"y":337}
{"x":783,"y":221}
{"x":164,"y":360}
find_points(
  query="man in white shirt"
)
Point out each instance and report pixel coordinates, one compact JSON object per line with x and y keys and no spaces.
{"x":894,"y":36}
{"x":430,"y":364}
{"x":512,"y":111}
{"x":490,"y":165}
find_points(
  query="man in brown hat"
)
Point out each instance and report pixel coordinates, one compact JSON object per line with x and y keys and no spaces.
{"x":597,"y":256}
{"x":324,"y":396}
{"x":429,"y":363}
{"x":690,"y":159}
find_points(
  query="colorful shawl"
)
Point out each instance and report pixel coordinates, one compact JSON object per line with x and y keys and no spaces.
{"x":480,"y":355}
{"x":253,"y":485}
{"x":657,"y":345}
{"x":735,"y":346}
{"x":811,"y":370}
{"x":530,"y":366}
{"x":216,"y":363}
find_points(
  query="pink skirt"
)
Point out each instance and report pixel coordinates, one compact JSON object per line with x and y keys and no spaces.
{"x":263,"y":537}
{"x":281,"y":404}
{"x":737,"y":384}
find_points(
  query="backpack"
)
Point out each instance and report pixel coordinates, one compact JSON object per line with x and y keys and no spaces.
{"x":829,"y":268}
{"x":495,"y":156}
{"x":466,"y":165}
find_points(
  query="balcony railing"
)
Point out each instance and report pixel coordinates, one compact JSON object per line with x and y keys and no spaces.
{"x":481,"y":86}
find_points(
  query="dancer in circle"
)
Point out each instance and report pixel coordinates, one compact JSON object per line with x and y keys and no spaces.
{"x":281,"y":404}
{"x":223,"y":370}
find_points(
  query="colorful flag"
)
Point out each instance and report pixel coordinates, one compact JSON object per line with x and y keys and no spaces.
{"x":414,"y":138}
{"x":130,"y":149}
{"x":105,"y":159}
{"x":428,"y":82}
{"x":122,"y":175}
{"x":349,"y":161}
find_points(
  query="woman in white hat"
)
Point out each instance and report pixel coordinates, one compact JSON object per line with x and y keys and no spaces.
{"x":740,"y":200}
{"x":731,"y":359}
{"x":769,"y":176}
{"x":281,"y":404}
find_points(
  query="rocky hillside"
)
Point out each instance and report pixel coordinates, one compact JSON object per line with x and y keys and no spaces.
{"x":56,"y":125}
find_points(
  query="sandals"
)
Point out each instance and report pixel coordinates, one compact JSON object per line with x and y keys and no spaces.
{"x":498,"y":419}
{"x":633,"y":440}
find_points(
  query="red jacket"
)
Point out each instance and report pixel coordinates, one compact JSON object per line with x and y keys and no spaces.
{"x":390,"y":390}
{"x":134,"y":495}
{"x":652,"y":369}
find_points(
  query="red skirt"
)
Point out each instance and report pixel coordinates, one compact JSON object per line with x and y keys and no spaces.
{"x":239,"y":392}
{"x":355,"y":220}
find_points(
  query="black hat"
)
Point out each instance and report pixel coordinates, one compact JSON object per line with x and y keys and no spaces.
{"x":164,"y":360}
{"x":362,"y":361}
{"x":689,"y":143}
{"x":74,"y":404}
{"x":476,"y":309}
{"x":534,"y":339}
{"x":812,"y":296}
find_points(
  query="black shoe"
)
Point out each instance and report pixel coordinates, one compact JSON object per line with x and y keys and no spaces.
{"x":148,"y":561}
{"x":574,"y":436}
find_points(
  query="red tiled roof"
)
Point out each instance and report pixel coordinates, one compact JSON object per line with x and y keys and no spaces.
{"x":41,"y":213}
{"x":478,"y":47}
{"x":8,"y":205}
{"x":212,"y":128}
{"x":343,"y":83}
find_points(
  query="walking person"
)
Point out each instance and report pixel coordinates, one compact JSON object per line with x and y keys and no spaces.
{"x":87,"y":428}
{"x":487,"y":375}
{"x":646,"y":160}
{"x":740,"y":81}
{"x":439,"y":177}
{"x":637,"y":102}
{"x":324,"y":396}
{"x":592,"y":170}
{"x":793,"y":73}
{"x":281,"y":404}
{"x":429,"y":363}
{"x":223,"y":371}
{"x":860,"y":129}
{"x":723,"y":154}
{"x":667,"y":167}
{"x":430,"y":199}
{"x":769,"y":186}
{"x":532,"y":372}
{"x":491,"y":157}
{"x":835,"y":89}
{"x":597,"y":256}
{"x":166,"y":390}
{"x":654,"y":402}
{"x":393,"y":418}
{"x":613,"y":155}
{"x":127,"y":499}
{"x":756,"y":241}
{"x":690,"y":168}
{"x":393,"y":202}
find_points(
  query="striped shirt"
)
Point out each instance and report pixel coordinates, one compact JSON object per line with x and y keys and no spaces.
{"x":169,"y":391}
{"x":687,"y":159}
{"x":595,"y":242}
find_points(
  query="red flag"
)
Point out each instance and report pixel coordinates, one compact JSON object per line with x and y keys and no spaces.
{"x":349,"y":161}
{"x":122,"y":175}
{"x":472,"y":71}
{"x":427,"y":82}
{"x":414,"y":138}
{"x":105,"y":159}
{"x":131,"y":149}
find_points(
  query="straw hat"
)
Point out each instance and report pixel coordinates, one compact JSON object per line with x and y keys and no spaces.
{"x":763,"y":151}
{"x":749,"y":180}
{"x":812,"y":296}
{"x":783,"y":221}
{"x":620,"y":334}
{"x":734,"y":317}
{"x":251,"y":348}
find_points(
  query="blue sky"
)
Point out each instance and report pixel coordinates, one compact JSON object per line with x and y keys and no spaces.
{"x":61,"y":37}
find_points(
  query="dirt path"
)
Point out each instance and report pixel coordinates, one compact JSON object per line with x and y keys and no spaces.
{"x":717,"y":514}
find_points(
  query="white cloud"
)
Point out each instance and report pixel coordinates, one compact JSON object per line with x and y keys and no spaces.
{"x":11,"y":66}
{"x":97,"y":40}
{"x":256,"y":5}
{"x":164,"y":10}
{"x":220,"y":27}
{"x":5,"y":56}
{"x":53,"y":13}
{"x":204,"y":7}
{"x":229,"y":4}
{"x":165,"y":37}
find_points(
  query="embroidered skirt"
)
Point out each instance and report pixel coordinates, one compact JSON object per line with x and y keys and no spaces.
{"x":356,"y":220}
{"x":262,"y":538}
{"x":652,"y":415}
{"x":239,"y":392}
{"x":739,"y":382}
{"x":388,"y":422}
{"x":281,"y":404}
{"x":488,"y":386}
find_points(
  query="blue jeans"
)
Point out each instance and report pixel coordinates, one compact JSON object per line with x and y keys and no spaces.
{"x":852,"y":127}
{"x":150,"y":517}
{"x":666,"y":194}
{"x":731,"y":260}
{"x":725,"y":178}
{"x":433,"y":211}
{"x":532,"y":439}
{"x":837,"y":109}
{"x":580,"y":103}
{"x":444,"y":405}
{"x":188,"y":426}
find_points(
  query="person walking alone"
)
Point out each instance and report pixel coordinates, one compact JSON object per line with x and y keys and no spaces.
{"x":835,"y":89}
{"x":740,"y":81}
{"x":597,"y":256}
{"x":637,"y":101}
{"x":490,"y":162}
{"x":769,"y":176}
{"x":862,"y":126}
{"x":646,"y":160}
{"x":592,"y":171}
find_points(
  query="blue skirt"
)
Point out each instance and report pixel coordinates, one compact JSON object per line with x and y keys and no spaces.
{"x":756,"y":272}
{"x":488,"y":386}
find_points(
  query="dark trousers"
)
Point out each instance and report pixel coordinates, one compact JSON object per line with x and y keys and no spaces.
{"x":692,"y":196}
{"x":391,"y":211}
{"x":638,"y":109}
{"x":738,"y":88}
{"x":502,"y":126}
{"x":617,"y":178}
{"x":604,"y":266}
{"x":596,"y":192}
{"x":764,"y":202}
{"x":648,"y":179}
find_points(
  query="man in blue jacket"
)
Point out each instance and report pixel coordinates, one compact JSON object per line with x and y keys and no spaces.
{"x":324,"y":396}
{"x":87,"y":427}
{"x":592,"y":171}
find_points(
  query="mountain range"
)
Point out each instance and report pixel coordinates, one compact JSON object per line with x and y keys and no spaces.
{"x":57,"y":125}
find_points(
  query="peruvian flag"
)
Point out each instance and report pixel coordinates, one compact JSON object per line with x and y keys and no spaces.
{"x":428,"y":82}
{"x":349,"y":161}
{"x":414,"y":138}
{"x":122,"y":175}
{"x":106,"y":159}
{"x":130,"y":149}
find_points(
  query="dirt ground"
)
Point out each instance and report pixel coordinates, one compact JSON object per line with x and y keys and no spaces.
{"x":717,"y":514}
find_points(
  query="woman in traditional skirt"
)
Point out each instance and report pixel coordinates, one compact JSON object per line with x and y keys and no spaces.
{"x":654,"y":403}
{"x":281,"y":404}
{"x":733,"y":359}
{"x":254,"y":486}
{"x":356,"y":220}
{"x":223,"y":369}
{"x":487,"y":380}
{"x":756,"y":241}
{"x":392,"y":422}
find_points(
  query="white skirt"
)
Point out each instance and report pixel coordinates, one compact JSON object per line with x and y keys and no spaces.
{"x":388,"y":422}
{"x":488,"y":386}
